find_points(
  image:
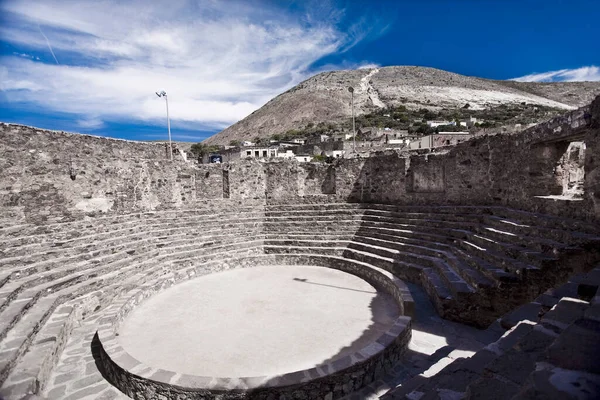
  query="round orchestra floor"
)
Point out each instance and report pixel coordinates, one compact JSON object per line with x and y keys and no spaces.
{"x":266,"y":320}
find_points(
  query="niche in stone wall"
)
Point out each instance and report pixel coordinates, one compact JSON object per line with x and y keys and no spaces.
{"x":317,"y":179}
{"x":426,"y":175}
{"x":225,"y":184}
{"x":209,"y":184}
{"x":556,"y":169}
{"x":328,"y":185}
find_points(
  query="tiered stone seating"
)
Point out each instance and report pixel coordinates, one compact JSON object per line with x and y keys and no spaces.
{"x":476,"y":263}
{"x":551,"y":356}
{"x":56,"y":273}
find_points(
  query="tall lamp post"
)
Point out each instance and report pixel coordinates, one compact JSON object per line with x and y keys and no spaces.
{"x":351,"y":90}
{"x":164,"y":94}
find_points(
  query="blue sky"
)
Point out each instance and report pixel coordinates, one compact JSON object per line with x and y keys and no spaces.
{"x":93,"y":66}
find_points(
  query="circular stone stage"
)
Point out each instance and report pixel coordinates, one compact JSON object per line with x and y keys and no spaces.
{"x":260,"y":321}
{"x":261,"y":332}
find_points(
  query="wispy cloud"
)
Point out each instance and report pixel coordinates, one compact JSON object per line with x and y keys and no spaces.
{"x":591,"y":73}
{"x":218,"y":61}
{"x":90,"y":123}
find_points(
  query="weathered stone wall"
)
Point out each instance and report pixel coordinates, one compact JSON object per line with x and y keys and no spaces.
{"x":282,"y":180}
{"x":47,"y":173}
{"x":54,"y":172}
{"x":517,"y":171}
{"x":246,"y":180}
{"x":315,"y":179}
{"x":209,"y":182}
{"x":64,"y":145}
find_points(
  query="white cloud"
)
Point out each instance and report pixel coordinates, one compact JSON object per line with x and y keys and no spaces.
{"x":591,"y":73}
{"x":218,"y":61}
{"x":90,"y":123}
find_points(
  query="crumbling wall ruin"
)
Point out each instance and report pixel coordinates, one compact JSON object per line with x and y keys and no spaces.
{"x":54,"y":172}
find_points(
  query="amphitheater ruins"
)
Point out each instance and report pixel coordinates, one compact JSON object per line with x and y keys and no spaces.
{"x":471,"y":273}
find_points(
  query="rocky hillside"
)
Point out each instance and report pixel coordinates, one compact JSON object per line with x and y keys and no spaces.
{"x":325,"y":97}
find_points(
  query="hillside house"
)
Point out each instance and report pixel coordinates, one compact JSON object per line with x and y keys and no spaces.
{"x":435,"y":124}
{"x":303,"y":157}
{"x":439,"y":140}
{"x":259,"y":152}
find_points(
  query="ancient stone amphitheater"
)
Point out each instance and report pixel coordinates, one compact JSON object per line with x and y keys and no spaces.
{"x":480,"y":266}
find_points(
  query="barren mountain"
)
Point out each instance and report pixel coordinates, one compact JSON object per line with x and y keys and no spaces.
{"x":325,"y":97}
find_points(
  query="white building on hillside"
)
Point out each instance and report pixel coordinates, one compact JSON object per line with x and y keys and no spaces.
{"x":303,"y":157}
{"x":435,"y":124}
{"x":259,"y":152}
{"x":288,"y":154}
{"x":335,"y":153}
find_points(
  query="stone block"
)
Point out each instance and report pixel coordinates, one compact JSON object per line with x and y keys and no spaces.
{"x":567,"y":311}
{"x":578,"y":347}
{"x":491,"y":389}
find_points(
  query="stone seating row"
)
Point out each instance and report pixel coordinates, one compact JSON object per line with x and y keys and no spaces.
{"x":30,"y":299}
{"x":470,"y":276}
{"x":30,"y":234}
{"x":27,"y":356}
{"x":48,"y":268}
{"x":552,"y":354}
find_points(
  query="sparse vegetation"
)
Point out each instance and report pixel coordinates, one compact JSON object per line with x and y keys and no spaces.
{"x":415,"y":121}
{"x":199,"y":150}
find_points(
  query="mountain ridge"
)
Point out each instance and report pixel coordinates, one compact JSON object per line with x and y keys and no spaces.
{"x":324,"y":97}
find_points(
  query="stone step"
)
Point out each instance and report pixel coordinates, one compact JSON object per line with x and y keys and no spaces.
{"x":521,"y":253}
{"x":34,"y":368}
{"x":545,"y":220}
{"x":498,"y":260}
{"x":109,"y":246}
{"x":535,"y":242}
{"x":122,"y":250}
{"x":438,"y":250}
{"x":517,"y":362}
{"x":167,"y":230}
{"x":320,"y":250}
{"x":74,"y":236}
{"x":456,"y":378}
{"x":479,"y":214}
{"x":452,"y":280}
{"x":495,"y":272}
{"x":69,"y":231}
{"x":414,"y":273}
{"x":18,"y":338}
{"x":564,"y":313}
{"x":562,"y":234}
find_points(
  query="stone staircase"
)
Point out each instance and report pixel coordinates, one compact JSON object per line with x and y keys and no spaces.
{"x":59,"y":274}
{"x":551,"y":356}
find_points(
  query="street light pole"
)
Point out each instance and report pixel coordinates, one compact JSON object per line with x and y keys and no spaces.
{"x":164,"y":94}
{"x":351,"y":90}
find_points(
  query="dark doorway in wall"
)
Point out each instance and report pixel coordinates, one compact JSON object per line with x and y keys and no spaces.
{"x":225,"y":184}
{"x":328,"y":186}
{"x":570,"y":171}
{"x":556,"y":169}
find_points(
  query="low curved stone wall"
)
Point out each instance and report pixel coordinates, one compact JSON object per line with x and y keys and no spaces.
{"x":330,"y":381}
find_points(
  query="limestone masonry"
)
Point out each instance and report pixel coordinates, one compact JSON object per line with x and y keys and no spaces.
{"x":489,"y":250}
